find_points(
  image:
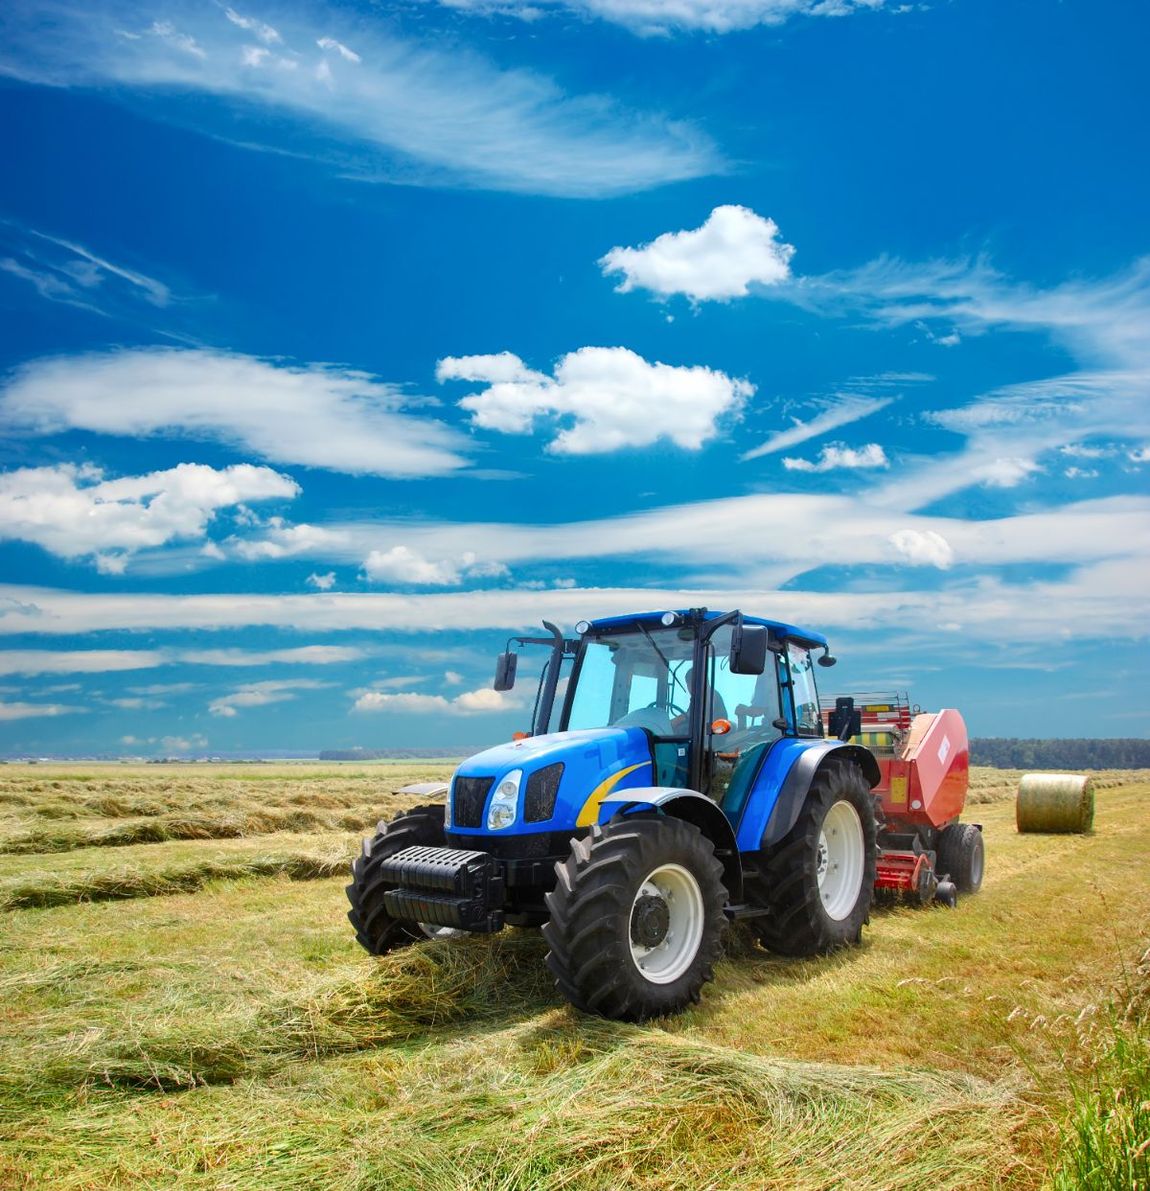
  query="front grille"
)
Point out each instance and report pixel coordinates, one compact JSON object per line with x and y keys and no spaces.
{"x":542,"y":790}
{"x":468,"y":796}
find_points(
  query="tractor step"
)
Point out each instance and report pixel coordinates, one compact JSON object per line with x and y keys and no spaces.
{"x":444,"y":887}
{"x":743,"y":911}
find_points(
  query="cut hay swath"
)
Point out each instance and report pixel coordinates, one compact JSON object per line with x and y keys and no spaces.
{"x":1055,"y":802}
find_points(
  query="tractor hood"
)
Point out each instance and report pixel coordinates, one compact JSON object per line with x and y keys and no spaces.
{"x":596,"y":762}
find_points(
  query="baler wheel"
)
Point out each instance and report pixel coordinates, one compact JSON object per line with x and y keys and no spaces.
{"x":636,"y":918}
{"x":375,"y":929}
{"x":962,"y":855}
{"x":818,"y":881}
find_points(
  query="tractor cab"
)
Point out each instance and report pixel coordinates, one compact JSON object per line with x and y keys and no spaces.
{"x":710,"y":691}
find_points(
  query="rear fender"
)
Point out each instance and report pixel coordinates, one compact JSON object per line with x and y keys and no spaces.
{"x":694,"y":808}
{"x":779,"y":793}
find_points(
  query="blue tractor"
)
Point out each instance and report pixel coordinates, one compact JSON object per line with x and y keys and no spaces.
{"x":677,"y":776}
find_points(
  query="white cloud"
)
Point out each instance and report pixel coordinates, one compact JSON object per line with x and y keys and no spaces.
{"x":183,"y":744}
{"x":844,"y":410}
{"x":1141,"y":455}
{"x":83,"y":661}
{"x":36,"y":710}
{"x":923,"y":547}
{"x":733,"y":250}
{"x":614,"y":397}
{"x":835,"y":456}
{"x":1103,"y":601}
{"x":668,"y":16}
{"x":1080,"y":473}
{"x":306,"y":655}
{"x":324,"y":582}
{"x":260,"y":694}
{"x":1004,"y":473}
{"x":330,"y":43}
{"x":477,"y":702}
{"x":453,"y":678}
{"x":266,"y":33}
{"x":27,"y":711}
{"x":401,"y":564}
{"x":282,"y":540}
{"x":404,"y":110}
{"x":334,"y":418}
{"x":74,"y":512}
{"x":109,"y":661}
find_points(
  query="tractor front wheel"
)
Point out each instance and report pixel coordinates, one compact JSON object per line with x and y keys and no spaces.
{"x":375,"y":928}
{"x":636,"y":918}
{"x":818,"y":881}
{"x":961,"y":853}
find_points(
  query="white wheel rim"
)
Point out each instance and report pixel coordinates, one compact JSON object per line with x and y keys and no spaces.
{"x":976,"y":865}
{"x":667,"y":959}
{"x":839,"y":861}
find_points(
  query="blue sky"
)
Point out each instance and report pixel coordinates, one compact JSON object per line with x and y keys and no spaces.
{"x":340,"y":342}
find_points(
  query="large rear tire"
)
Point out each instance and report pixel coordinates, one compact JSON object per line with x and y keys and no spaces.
{"x":962,"y":854}
{"x":375,"y":929}
{"x":818,"y":881}
{"x":636,"y":918}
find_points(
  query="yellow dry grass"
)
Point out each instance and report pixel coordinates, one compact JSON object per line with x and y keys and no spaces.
{"x":234,"y":1036}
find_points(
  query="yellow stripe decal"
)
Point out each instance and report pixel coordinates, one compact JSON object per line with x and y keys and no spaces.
{"x":589,"y":812}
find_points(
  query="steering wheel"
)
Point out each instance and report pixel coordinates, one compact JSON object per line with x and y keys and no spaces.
{"x":670,"y":707}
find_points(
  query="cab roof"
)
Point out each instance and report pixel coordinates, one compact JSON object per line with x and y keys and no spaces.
{"x":652,"y":620}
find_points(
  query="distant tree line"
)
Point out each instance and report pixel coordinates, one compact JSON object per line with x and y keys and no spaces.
{"x":1010,"y":753}
{"x":389,"y":754}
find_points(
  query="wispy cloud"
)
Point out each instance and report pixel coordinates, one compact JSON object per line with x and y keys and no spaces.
{"x":329,"y":417}
{"x":260,"y":694}
{"x":27,"y":711}
{"x":477,"y":702}
{"x":666,"y":16}
{"x":374,"y":104}
{"x":841,"y":411}
{"x":63,"y":271}
{"x":1101,"y":601}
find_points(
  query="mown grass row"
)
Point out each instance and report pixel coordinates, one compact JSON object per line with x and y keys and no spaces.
{"x":118,"y":884}
{"x":164,"y":828}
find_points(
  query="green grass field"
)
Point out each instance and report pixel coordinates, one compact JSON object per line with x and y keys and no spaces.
{"x":182,"y":1003}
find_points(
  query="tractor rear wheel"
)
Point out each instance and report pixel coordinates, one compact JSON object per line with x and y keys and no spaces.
{"x":962,"y":854}
{"x":375,"y":928}
{"x":636,"y":918}
{"x":818,"y":881}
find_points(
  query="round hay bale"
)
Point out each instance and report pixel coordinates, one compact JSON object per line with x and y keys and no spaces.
{"x":1055,"y":802}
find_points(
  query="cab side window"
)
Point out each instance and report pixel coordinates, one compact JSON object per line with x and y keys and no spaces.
{"x":808,"y":722}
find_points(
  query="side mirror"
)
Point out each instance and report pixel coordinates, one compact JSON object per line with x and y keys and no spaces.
{"x":749,"y":649}
{"x":846,"y":719}
{"x":505,"y":671}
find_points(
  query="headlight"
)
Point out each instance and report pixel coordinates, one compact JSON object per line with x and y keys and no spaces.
{"x":504,"y":808}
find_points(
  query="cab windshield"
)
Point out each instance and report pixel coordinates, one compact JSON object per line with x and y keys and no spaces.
{"x":634,"y":679}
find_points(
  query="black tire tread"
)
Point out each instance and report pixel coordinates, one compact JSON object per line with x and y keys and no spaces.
{"x":797,"y":924}
{"x":958,"y":844}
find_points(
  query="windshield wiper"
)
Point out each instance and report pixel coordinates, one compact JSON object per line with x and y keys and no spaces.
{"x":663,"y":658}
